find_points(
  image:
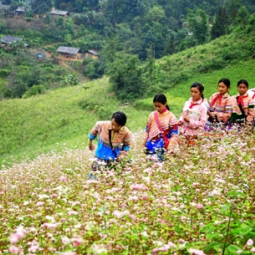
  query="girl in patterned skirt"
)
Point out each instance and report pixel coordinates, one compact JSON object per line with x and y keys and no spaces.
{"x":161,"y":129}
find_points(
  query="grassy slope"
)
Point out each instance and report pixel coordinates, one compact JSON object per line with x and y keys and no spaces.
{"x":50,"y":122}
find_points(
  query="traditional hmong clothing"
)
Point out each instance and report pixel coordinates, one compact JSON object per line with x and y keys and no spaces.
{"x":251,"y":93}
{"x":243,"y":109}
{"x":222,"y":105}
{"x":121,"y":140}
{"x":154,"y":138}
{"x":194,"y":127}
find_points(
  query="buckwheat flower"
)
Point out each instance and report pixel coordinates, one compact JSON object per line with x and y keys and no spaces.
{"x":20,"y":232}
{"x":50,"y":225}
{"x":14,"y":250}
{"x":72,"y":213}
{"x":76,"y":241}
{"x":195,"y":184}
{"x":138,"y":187}
{"x":65,"y":240}
{"x":14,"y":238}
{"x":63,"y":178}
{"x":253,"y":249}
{"x":68,"y":253}
{"x":196,"y":252}
{"x":249,"y":242}
{"x":199,"y":206}
{"x":39,"y":204}
{"x":145,"y":197}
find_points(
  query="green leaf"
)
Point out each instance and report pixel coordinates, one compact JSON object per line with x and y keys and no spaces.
{"x":214,"y":245}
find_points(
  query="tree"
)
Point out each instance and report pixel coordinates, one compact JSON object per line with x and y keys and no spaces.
{"x":220,"y":26}
{"x":198,"y":25}
{"x":126,"y":77}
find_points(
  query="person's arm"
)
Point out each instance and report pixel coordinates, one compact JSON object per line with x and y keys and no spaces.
{"x":251,"y":112}
{"x":173,"y":125}
{"x":92,"y":136}
{"x":147,"y":130}
{"x":225,"y":116}
{"x":203,"y":118}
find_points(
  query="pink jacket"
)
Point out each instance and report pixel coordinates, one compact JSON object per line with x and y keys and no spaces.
{"x":194,"y":127}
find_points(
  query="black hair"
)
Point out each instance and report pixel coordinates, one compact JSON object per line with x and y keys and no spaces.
{"x":200,"y":87}
{"x":226,"y":81}
{"x":161,"y":98}
{"x":243,"y":82}
{"x":120,"y":118}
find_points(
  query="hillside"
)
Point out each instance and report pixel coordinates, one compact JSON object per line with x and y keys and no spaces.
{"x":63,"y":117}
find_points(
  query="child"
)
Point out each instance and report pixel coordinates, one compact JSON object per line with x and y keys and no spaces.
{"x":194,"y":114}
{"x":161,"y":129}
{"x":220,"y":106}
{"x":243,"y":109}
{"x":114,"y":141}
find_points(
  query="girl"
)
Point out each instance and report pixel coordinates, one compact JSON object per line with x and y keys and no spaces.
{"x":114,"y":140}
{"x":161,"y":129}
{"x":220,"y":105}
{"x":243,"y":108}
{"x":194,"y":114}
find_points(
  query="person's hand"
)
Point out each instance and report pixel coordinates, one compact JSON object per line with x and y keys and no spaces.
{"x":186,"y":118}
{"x":123,"y":154}
{"x":212,"y":114}
{"x":91,"y":146}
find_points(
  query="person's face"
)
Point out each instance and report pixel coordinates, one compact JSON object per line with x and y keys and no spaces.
{"x":195,"y":94}
{"x":115,"y":126}
{"x":242,"y":89}
{"x":222,"y":88}
{"x":159,"y":106}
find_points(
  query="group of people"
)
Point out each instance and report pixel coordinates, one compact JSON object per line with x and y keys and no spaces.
{"x":163,"y":129}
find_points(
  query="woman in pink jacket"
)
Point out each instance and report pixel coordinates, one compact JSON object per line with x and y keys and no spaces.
{"x":194,"y":116}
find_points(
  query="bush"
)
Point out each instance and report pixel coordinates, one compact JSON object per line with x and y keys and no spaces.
{"x":35,"y":90}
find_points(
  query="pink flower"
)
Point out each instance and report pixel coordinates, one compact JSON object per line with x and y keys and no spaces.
{"x":50,"y":225}
{"x":14,"y":238}
{"x":138,"y":187}
{"x":145,"y":196}
{"x":199,"y":206}
{"x":253,"y":249}
{"x":196,"y":252}
{"x":63,"y":178}
{"x":65,"y":240}
{"x":40,"y":203}
{"x":239,"y":252}
{"x":249,"y":242}
{"x":20,"y":231}
{"x":14,"y":250}
{"x":77,"y":241}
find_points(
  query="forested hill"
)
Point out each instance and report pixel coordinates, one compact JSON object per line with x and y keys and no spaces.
{"x":129,"y":35}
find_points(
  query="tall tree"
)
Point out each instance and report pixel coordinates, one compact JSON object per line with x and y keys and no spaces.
{"x":220,"y":26}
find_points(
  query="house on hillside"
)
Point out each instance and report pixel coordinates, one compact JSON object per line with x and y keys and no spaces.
{"x":60,"y":13}
{"x":92,"y":53}
{"x":4,"y":8}
{"x":68,"y":52}
{"x":21,"y":10}
{"x":7,"y":40}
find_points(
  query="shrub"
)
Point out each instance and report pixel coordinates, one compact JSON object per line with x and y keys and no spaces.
{"x":35,"y":90}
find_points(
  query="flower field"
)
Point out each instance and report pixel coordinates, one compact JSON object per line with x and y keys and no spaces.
{"x":199,"y":201}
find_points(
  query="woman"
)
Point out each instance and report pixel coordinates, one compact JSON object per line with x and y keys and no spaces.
{"x":114,"y":141}
{"x":161,"y":129}
{"x":220,"y":106}
{"x":194,"y":116}
{"x":243,"y":105}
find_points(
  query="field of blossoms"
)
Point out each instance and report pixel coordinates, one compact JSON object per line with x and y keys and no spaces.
{"x":199,"y":201}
